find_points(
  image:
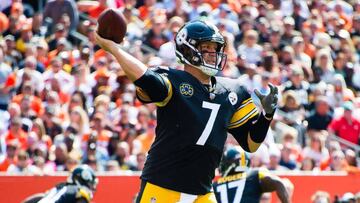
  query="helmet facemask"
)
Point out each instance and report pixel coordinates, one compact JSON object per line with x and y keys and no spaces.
{"x":212,"y":62}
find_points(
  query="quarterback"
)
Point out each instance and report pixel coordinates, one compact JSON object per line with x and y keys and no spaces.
{"x":196,"y":110}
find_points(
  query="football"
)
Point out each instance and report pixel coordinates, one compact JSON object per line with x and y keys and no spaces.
{"x":112,"y":25}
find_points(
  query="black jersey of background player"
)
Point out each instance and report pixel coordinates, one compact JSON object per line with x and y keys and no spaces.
{"x":239,"y":188}
{"x":67,"y":193}
{"x":193,"y":126}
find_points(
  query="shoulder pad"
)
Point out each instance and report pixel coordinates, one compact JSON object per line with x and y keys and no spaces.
{"x":60,"y":185}
{"x":230,"y":84}
{"x":85,"y":193}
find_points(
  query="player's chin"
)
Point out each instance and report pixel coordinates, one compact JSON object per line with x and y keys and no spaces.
{"x":211,"y":63}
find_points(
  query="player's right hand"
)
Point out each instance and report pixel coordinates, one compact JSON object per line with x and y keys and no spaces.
{"x":105,"y":44}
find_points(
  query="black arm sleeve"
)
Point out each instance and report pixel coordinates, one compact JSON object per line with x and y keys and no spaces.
{"x":34,"y":198}
{"x":256,"y":130}
{"x":154,"y":85}
{"x":274,"y":183}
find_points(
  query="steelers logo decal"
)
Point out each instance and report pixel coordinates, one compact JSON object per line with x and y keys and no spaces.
{"x":86,"y":175}
{"x":181,"y":36}
{"x":233,"y":98}
{"x":186,"y":89}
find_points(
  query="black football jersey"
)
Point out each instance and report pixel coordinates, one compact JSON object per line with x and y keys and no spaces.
{"x":67,"y":193}
{"x":239,"y":188}
{"x":191,"y":131}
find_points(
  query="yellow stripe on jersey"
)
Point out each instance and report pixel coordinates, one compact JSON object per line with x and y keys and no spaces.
{"x":83,"y":193}
{"x":170,"y":93}
{"x":243,"y":115}
{"x":142,"y":94}
{"x":145,"y":97}
{"x":243,"y":159}
{"x":253,"y":146}
{"x":246,"y":107}
{"x":246,"y":100}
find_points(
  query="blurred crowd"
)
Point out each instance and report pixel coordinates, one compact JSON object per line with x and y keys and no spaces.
{"x":64,"y":101}
{"x":324,"y":197}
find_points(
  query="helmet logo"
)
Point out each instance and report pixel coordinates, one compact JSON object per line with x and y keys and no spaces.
{"x":233,"y":98}
{"x":86,"y":175}
{"x":181,"y":36}
{"x":186,"y":89}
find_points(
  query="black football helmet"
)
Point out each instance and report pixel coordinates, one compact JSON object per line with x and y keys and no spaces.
{"x":83,"y":175}
{"x":188,"y":39}
{"x":234,"y":160}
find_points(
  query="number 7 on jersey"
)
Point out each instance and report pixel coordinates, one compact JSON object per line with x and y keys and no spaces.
{"x":210,"y":124}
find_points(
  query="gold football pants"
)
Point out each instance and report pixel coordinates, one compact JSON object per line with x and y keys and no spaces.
{"x":151,"y":193}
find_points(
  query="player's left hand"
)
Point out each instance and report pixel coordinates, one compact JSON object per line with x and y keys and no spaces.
{"x":269,"y":102}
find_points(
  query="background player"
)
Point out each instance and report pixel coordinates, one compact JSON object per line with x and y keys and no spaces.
{"x":195,"y":112}
{"x":241,"y":184}
{"x":79,"y":188}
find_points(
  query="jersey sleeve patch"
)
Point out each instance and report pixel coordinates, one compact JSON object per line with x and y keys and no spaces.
{"x":83,"y":193}
{"x":246,"y":111}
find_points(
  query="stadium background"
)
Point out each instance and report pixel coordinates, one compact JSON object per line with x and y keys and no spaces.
{"x":63,"y":101}
{"x":113,"y":188}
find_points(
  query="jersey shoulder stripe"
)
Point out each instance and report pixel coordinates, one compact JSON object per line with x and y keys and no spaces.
{"x":83,"y":193}
{"x":245,"y":106}
{"x":246,"y":109}
{"x":242,"y":116}
{"x":170,"y":92}
{"x":163,"y":72}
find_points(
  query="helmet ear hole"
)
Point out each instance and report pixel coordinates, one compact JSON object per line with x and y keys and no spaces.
{"x":196,"y":59}
{"x":192,"y":56}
